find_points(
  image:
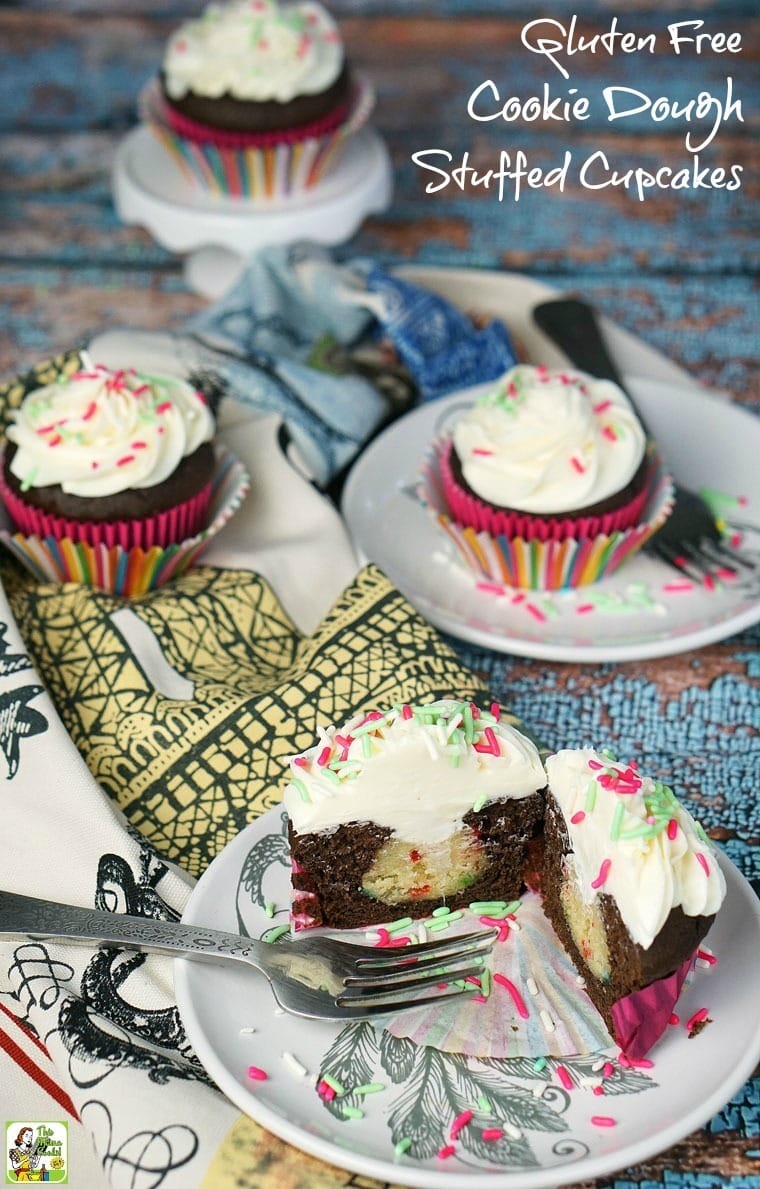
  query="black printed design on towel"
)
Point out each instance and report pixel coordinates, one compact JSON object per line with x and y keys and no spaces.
{"x":41,"y":978}
{"x":272,"y":848}
{"x":151,"y":1155}
{"x":101,"y":1025}
{"x":11,"y":662}
{"x":18,"y":720}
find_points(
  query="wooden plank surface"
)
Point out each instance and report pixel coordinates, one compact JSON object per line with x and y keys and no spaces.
{"x":680,"y":270}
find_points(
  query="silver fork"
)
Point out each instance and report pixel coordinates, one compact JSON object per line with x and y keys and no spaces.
{"x":689,"y":540}
{"x":320,"y":977}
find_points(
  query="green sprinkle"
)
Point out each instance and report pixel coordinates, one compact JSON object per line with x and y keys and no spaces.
{"x":484,"y":1105}
{"x":486,"y":906}
{"x":269,"y":908}
{"x":303,"y":792}
{"x":275,"y":934}
{"x":366,"y":746}
{"x":481,"y":801}
{"x":609,"y":754}
{"x":333,"y":1083}
{"x":29,"y":480}
{"x":469,"y":733}
{"x":331,"y":776}
{"x":512,"y":907}
{"x":455,"y":916}
{"x":617,"y":821}
{"x":352,"y":1112}
{"x":441,"y":911}
{"x":398,"y":925}
{"x":454,"y":757}
{"x":591,"y":796}
{"x":485,"y":982}
{"x":441,"y":923}
{"x":369,"y":1088}
{"x":539,"y":1064}
{"x":496,"y":914}
{"x":402,"y":1146}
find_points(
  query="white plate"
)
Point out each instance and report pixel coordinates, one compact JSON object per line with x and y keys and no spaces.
{"x":690,"y":1080}
{"x":700,"y":434}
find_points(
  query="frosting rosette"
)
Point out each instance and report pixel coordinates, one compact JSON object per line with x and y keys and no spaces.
{"x":255,"y":50}
{"x":103,"y":432}
{"x":549,"y":443}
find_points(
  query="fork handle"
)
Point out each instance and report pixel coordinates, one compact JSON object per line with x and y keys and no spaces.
{"x":573,"y":326}
{"x":24,"y":916}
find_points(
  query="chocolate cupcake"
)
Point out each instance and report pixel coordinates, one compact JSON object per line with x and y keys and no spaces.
{"x":110,"y":457}
{"x":255,"y":97}
{"x":547,"y":481}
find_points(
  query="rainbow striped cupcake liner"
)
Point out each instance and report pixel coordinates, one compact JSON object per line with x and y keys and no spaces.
{"x":255,"y":172}
{"x":543,"y":565}
{"x":131,"y":572}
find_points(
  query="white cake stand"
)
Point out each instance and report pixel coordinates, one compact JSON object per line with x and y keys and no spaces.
{"x":217,"y":233}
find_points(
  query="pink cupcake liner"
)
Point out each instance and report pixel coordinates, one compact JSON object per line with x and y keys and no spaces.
{"x":640,"y":1019}
{"x":532,"y":563}
{"x":467,"y":509}
{"x":258,"y":167}
{"x":162,"y":529}
{"x":135,"y":570}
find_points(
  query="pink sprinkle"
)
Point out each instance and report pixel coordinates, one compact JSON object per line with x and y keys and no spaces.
{"x":479,"y":999}
{"x":604,"y":871}
{"x":672,"y":829}
{"x":735,"y":541}
{"x":511,"y":390}
{"x":594,"y":765}
{"x":475,"y":710}
{"x":584,"y":609}
{"x":323,"y":759}
{"x":697,"y":1018}
{"x":598,"y":1090}
{"x":446,"y":1151}
{"x":493,"y":741}
{"x":518,"y":598}
{"x":473,"y":979}
{"x":460,"y":1122}
{"x":674,"y":1019}
{"x":383,"y":937}
{"x":726,"y":575}
{"x":122,"y":462}
{"x":345,"y":741}
{"x":577,"y":818}
{"x":564,"y":1077}
{"x":578,"y":465}
{"x":164,"y":406}
{"x":742,"y":501}
{"x":603,"y":406}
{"x":139,"y":445}
{"x":56,"y":441}
{"x":46,"y":429}
{"x":90,"y":411}
{"x":517,"y":998}
{"x":396,"y":942}
{"x":709,"y":958}
{"x":701,"y":859}
{"x":257,"y":1074}
{"x":483,"y":453}
{"x":608,"y":1069}
{"x":708,"y":582}
{"x":650,"y":820}
{"x":603,"y":1121}
{"x":641,"y":1063}
{"x":490,"y":588}
{"x":94,"y":465}
{"x":201,"y":396}
{"x":492,"y":1134}
{"x":503,"y":932}
{"x":139,"y":391}
{"x":609,"y":433}
{"x":407,"y":712}
{"x":180,"y":46}
{"x":492,"y":922}
{"x":495,"y":709}
{"x":535,"y":612}
{"x":301,"y":762}
{"x":325,"y":1091}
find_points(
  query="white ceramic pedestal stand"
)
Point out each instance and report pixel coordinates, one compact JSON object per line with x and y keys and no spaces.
{"x":217,"y":233}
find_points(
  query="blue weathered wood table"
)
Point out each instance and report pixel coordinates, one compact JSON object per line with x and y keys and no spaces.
{"x":679,"y":269}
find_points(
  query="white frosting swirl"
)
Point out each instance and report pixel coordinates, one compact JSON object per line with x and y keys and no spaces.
{"x":622,"y":841}
{"x":102,"y":432}
{"x":549,"y":442}
{"x":254,"y":50}
{"x":417,"y":776}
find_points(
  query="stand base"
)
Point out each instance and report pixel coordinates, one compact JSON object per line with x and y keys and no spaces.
{"x":219,"y":233}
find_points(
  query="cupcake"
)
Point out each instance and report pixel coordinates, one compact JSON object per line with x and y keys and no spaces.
{"x":631,"y":885}
{"x":255,"y":97}
{"x":110,"y":457}
{"x":548,"y":480}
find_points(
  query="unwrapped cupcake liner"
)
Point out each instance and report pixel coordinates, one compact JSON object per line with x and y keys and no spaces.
{"x":256,"y":167}
{"x":162,"y":529}
{"x":536,"y":564}
{"x":135,"y":570}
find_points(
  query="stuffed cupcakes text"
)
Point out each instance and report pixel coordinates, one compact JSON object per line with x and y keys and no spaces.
{"x":700,"y":115}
